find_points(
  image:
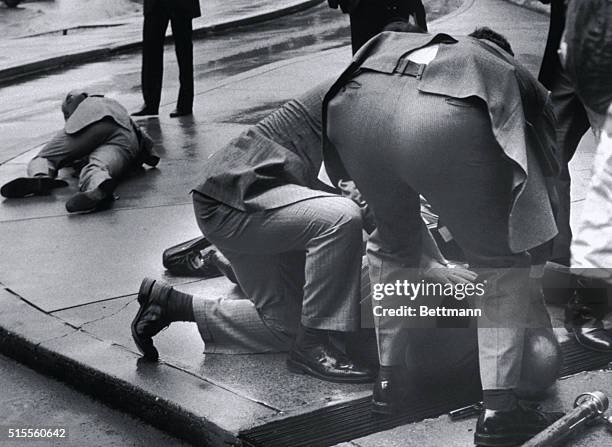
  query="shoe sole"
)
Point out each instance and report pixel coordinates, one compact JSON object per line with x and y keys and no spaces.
{"x":383,"y":409}
{"x":145,"y":289}
{"x":22,"y":187}
{"x":499,"y":441}
{"x":299,"y":368}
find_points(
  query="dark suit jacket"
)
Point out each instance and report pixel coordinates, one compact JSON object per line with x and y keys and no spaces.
{"x":274,"y":163}
{"x":189,"y":8}
{"x":521,"y":115}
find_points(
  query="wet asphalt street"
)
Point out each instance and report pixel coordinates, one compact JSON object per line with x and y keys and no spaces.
{"x":31,"y":400}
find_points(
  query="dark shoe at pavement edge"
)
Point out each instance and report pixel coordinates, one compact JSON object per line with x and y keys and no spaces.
{"x":151,"y":316}
{"x":511,"y":428}
{"x":325,"y":362}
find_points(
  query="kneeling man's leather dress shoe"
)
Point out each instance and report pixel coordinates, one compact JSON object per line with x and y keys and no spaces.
{"x":511,"y":428}
{"x":151,"y":317}
{"x":326,"y":362}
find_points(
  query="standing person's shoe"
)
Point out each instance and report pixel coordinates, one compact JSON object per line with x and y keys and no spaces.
{"x":94,"y":200}
{"x":326,"y":362}
{"x":178,"y":113}
{"x":151,"y":317}
{"x":30,"y":186}
{"x":511,"y":428}
{"x":146,"y":110}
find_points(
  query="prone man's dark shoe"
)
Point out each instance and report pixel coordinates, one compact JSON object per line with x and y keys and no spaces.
{"x":30,"y":186}
{"x":94,"y":200}
{"x":326,"y":362}
{"x":151,"y":317}
{"x":511,"y":428}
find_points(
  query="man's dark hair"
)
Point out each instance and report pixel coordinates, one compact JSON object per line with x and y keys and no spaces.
{"x":400,"y":25}
{"x":486,"y":33}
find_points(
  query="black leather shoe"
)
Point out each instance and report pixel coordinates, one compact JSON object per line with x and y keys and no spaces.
{"x":145,"y":111}
{"x":151,"y":317}
{"x":192,"y":258}
{"x":177,"y":113}
{"x":511,"y":428}
{"x":390,"y":392}
{"x":326,"y":362}
{"x":30,"y":186}
{"x":94,"y":200}
{"x":583,"y":316}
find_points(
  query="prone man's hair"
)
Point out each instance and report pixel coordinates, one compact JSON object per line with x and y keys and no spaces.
{"x":486,"y":33}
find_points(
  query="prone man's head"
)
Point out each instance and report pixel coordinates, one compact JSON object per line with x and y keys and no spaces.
{"x":72,"y":101}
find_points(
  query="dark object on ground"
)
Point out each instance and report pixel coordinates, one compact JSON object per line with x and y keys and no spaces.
{"x":509,"y":428}
{"x":30,"y":186}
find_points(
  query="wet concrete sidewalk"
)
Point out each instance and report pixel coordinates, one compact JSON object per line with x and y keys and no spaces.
{"x":69,"y":282}
{"x":93,"y":40}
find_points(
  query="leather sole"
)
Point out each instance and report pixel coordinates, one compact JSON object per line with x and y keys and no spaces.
{"x":502,"y":441}
{"x":149,"y":352}
{"x":30,"y":186}
{"x":300,"y":368}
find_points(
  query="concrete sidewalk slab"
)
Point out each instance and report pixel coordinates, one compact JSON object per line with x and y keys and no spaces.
{"x":52,"y":50}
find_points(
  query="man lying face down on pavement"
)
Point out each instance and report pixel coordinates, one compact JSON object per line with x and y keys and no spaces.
{"x":461,"y":122}
{"x":294,"y":246}
{"x":100,"y":140}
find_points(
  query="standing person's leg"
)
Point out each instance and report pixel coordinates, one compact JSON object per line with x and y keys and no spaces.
{"x":153,"y":37}
{"x":367,"y":20}
{"x":183,"y":44}
{"x":572,"y":124}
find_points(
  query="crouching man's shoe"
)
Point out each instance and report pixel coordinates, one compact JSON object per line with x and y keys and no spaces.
{"x":30,"y":186}
{"x":94,"y":200}
{"x":390,"y":391}
{"x":151,"y":317}
{"x":513,"y":427}
{"x":326,"y":362}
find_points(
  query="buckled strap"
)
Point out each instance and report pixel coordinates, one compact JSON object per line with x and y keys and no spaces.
{"x":407,"y":67}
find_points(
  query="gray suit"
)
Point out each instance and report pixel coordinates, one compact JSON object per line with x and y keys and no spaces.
{"x":295,"y":249}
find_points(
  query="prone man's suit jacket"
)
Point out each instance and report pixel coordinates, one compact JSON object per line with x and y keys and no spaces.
{"x":519,"y":108}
